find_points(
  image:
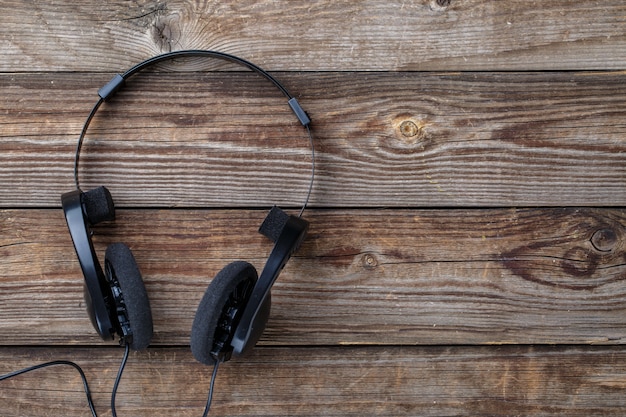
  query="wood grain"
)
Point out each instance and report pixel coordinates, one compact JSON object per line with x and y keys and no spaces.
{"x":362,"y":277}
{"x":467,"y":250}
{"x":328,"y":35}
{"x":364,"y":381}
{"x":425,"y":140}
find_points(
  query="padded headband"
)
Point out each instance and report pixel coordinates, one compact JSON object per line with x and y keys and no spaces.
{"x":113,"y":86}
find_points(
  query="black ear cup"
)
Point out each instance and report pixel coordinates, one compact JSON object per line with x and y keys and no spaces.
{"x":219,"y":312}
{"x":130,"y":295}
{"x":98,"y":205}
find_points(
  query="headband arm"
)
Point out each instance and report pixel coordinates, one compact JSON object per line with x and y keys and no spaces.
{"x":96,"y":292}
{"x":286,"y":242}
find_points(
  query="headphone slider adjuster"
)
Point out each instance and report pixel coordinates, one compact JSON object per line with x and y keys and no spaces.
{"x":111,"y":87}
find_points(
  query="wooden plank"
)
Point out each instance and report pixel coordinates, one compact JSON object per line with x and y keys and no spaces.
{"x":215,"y":140}
{"x":445,"y":303}
{"x":362,"y":277}
{"x":382,"y":35}
{"x":382,"y":381}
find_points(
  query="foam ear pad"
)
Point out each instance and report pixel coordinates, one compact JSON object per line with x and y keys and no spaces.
{"x":274,"y":224}
{"x":98,"y":205}
{"x":120,"y":262}
{"x":215,"y":319}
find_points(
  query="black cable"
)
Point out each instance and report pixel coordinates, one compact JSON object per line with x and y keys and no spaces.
{"x":83,"y":132}
{"x":310,"y":190}
{"x":207,"y":407}
{"x":118,"y":378}
{"x":210,"y":399}
{"x":121,"y":371}
{"x":54,"y":363}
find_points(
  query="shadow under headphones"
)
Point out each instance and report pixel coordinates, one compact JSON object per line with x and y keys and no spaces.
{"x":235,"y":307}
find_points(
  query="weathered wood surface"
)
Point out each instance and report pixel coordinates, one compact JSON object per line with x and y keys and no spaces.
{"x":381,"y":381}
{"x":427,"y":140}
{"x":324,"y":35}
{"x":373,"y":277}
{"x":504,"y":195}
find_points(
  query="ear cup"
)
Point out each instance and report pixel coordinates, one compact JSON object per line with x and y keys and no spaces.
{"x":98,"y":205}
{"x":120,"y":264}
{"x":220,"y":310}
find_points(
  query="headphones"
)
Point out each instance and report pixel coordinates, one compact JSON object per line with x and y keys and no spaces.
{"x":235,"y":308}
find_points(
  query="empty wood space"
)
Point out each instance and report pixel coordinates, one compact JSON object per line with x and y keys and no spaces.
{"x":467,"y":248}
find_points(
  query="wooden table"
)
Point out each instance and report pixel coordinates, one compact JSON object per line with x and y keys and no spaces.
{"x":467,"y":250}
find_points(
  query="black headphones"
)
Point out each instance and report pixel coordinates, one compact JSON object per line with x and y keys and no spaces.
{"x":235,"y":308}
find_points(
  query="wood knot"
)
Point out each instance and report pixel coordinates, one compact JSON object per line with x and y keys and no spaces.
{"x":439,"y":5}
{"x":408,"y":129}
{"x":407,"y":135}
{"x":369,"y":261}
{"x":166,"y":32}
{"x":604,"y":240}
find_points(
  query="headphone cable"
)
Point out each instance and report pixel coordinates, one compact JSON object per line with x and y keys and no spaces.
{"x":55,"y":363}
{"x":210,"y":399}
{"x":121,"y":371}
{"x":115,"y":386}
{"x":118,"y":378}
